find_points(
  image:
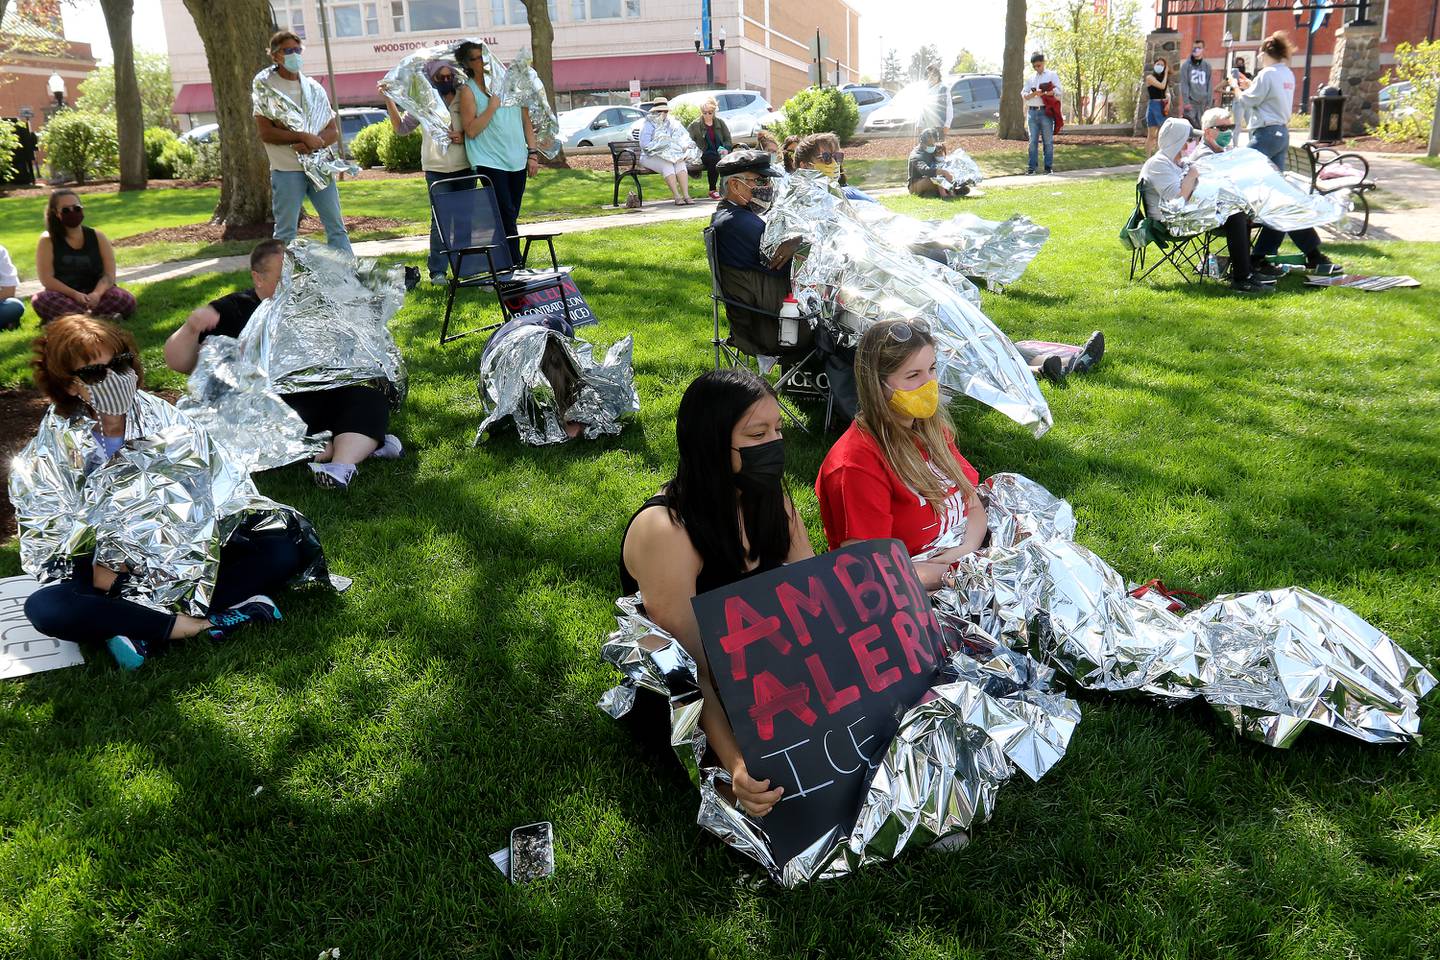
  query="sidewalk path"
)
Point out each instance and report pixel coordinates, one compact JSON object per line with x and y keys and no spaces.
{"x":1413,"y":184}
{"x":661,"y":212}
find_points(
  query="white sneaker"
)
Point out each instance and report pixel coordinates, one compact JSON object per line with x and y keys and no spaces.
{"x":333,"y":476}
{"x":390,"y":449}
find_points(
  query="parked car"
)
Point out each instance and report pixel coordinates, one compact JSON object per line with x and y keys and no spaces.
{"x":596,"y":126}
{"x":355,"y":119}
{"x":204,"y":133}
{"x":974,"y":98}
{"x":1395,"y":99}
{"x":744,"y":111}
{"x":868,"y":99}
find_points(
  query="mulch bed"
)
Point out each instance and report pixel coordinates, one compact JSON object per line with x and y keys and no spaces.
{"x":201,"y":233}
{"x":20,"y":413}
{"x":1376,"y":145}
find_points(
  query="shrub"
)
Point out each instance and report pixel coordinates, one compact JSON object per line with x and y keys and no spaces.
{"x":82,"y":145}
{"x":196,"y":162}
{"x":1420,"y":64}
{"x":9,"y":143}
{"x":686,"y":113}
{"x":156,"y":140}
{"x":819,"y":110}
{"x":365,"y":148}
{"x":399,"y":154}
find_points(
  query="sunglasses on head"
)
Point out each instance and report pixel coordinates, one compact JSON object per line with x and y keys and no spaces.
{"x":827,"y":156}
{"x":95,"y":372}
{"x":73,"y":206}
{"x":901,"y":332}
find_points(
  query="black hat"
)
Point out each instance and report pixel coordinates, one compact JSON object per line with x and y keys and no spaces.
{"x":747,"y":161}
{"x":1037,"y":55}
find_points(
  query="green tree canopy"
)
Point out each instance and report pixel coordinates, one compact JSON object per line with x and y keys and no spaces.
{"x":1096,"y":53}
{"x":157,"y":95}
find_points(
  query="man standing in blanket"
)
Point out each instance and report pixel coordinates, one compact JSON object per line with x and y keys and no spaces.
{"x":289,"y":183}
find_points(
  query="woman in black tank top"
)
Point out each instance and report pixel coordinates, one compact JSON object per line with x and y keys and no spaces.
{"x":724,"y":517}
{"x":76,"y":266}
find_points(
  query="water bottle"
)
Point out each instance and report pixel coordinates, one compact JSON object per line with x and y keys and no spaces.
{"x":789,"y":322}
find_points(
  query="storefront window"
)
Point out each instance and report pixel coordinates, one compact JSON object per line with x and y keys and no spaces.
{"x":290,"y":14}
{"x":355,"y":19}
{"x":517,"y":15}
{"x":603,"y":9}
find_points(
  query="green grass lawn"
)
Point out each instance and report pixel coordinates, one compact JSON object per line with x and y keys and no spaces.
{"x":890,"y":172}
{"x":340,"y":779}
{"x":1429,"y":161}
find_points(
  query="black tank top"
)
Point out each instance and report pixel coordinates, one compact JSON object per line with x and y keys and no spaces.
{"x":710,"y":576}
{"x":1157,"y":93}
{"x":81,"y":268}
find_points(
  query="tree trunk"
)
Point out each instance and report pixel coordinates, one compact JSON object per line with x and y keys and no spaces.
{"x":129,"y":109}
{"x":542,"y":49}
{"x":1012,"y":108}
{"x":236,"y":35}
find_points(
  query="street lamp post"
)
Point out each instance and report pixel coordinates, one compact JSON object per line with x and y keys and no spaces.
{"x":704,"y":45}
{"x":1310,"y":27}
{"x":56,"y":86}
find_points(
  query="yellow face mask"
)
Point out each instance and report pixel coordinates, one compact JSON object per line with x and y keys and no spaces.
{"x":831,"y":169}
{"x":920,"y":403}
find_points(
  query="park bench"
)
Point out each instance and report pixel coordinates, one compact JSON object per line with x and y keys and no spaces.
{"x":1329,"y":171}
{"x":625,"y":156}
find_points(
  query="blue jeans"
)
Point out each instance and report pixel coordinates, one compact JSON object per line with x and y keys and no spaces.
{"x":11,"y":310}
{"x":1154,"y":113}
{"x":1041,"y":125}
{"x":1273,"y":141}
{"x":288,"y":190}
{"x":437,"y":263}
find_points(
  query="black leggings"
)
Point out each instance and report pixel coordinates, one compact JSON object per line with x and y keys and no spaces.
{"x":710,"y":158}
{"x":356,"y":408}
{"x":1267,"y":244}
{"x":74,"y":610}
{"x":1237,"y":238}
{"x":509,"y":191}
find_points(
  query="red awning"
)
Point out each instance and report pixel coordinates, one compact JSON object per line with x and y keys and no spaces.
{"x":591,"y":73}
{"x":652,"y":70}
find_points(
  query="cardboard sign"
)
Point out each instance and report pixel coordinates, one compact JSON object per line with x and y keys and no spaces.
{"x":23,"y":649}
{"x":533,"y":300}
{"x":814,"y":664}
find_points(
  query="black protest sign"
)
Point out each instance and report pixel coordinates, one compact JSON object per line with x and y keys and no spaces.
{"x":543,"y":301}
{"x":814,"y":664}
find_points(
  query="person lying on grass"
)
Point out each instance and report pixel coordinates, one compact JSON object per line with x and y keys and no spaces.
{"x":357,"y":415}
{"x":153,"y":534}
{"x":896,"y":471}
{"x":723,"y":517}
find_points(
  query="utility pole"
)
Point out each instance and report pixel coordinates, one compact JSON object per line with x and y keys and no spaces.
{"x":330,"y":72}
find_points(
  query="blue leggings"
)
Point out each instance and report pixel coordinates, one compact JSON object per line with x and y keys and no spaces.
{"x":74,"y":610}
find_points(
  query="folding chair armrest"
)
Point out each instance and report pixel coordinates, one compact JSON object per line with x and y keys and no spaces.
{"x":464,"y":251}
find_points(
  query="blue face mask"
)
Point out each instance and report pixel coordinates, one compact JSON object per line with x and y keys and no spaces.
{"x":292,"y":62}
{"x":930,"y":149}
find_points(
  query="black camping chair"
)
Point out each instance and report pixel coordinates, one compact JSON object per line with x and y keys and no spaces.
{"x":1188,"y":255}
{"x":477,"y":249}
{"x":805,"y":376}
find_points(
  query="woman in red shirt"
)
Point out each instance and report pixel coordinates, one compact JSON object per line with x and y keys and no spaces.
{"x":896,"y":472}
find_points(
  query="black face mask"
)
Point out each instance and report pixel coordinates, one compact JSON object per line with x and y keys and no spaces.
{"x":445,"y":86}
{"x":763,"y":464}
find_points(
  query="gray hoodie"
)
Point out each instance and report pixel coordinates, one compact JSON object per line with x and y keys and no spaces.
{"x":1195,"y":82}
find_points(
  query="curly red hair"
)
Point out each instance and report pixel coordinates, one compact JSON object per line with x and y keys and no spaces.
{"x":69,"y":343}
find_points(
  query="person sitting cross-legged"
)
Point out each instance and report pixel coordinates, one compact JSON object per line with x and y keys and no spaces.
{"x":1163,"y":178}
{"x":925,"y":177}
{"x":76,"y":266}
{"x":1216,"y":129}
{"x":357,"y":415}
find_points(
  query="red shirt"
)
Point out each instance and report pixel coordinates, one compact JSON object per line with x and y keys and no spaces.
{"x":861,"y":496}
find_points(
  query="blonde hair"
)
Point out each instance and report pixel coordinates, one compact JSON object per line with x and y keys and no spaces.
{"x":710,"y":102}
{"x":879,"y":355}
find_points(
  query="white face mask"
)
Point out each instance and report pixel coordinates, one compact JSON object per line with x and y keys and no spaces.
{"x":114,"y":395}
{"x":1160,"y":67}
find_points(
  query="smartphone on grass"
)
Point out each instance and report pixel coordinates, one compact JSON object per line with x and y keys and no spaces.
{"x":532,"y":852}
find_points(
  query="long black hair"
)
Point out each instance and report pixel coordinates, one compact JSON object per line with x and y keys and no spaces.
{"x":462,"y":57}
{"x":702,"y":495}
{"x":53,"y":223}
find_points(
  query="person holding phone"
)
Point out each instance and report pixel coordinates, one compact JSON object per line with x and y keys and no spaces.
{"x":1156,"y":83}
{"x":1269,"y":99}
{"x":1040,"y":86}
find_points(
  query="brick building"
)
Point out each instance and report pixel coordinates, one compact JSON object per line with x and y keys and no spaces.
{"x":1412,"y":21}
{"x":601,"y":46}
{"x":32,"y":49}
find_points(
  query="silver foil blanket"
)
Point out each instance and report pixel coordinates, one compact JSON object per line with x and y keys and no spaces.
{"x":517,"y":86}
{"x":1244,"y":180}
{"x":311,"y":116}
{"x":543,"y":380}
{"x":670,"y":141}
{"x":1270,"y":662}
{"x":996,"y":251}
{"x":235,"y":404}
{"x":990,"y":714}
{"x":962,"y":167}
{"x":854,"y":275}
{"x":327,"y":324}
{"x":160,"y":508}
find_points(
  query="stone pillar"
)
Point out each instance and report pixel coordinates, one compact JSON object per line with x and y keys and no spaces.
{"x":1356,"y":71}
{"x":1159,"y":43}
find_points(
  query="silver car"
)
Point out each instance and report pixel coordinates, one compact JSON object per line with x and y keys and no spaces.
{"x":596,"y":126}
{"x":868,"y":99}
{"x":744,"y":111}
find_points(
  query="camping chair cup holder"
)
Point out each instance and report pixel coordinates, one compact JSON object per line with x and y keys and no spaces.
{"x":466,"y":215}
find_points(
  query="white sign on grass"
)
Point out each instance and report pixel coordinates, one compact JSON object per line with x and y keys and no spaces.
{"x":23,"y":649}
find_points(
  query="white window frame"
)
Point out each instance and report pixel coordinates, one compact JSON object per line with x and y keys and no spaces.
{"x":293,"y":18}
{"x":584,"y":10}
